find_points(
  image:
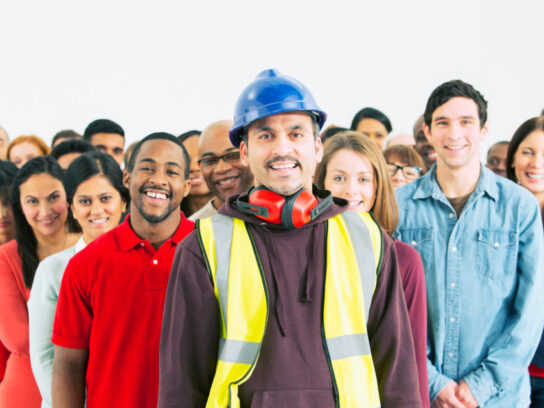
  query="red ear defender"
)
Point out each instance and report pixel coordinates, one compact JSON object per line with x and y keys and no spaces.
{"x":292,"y":211}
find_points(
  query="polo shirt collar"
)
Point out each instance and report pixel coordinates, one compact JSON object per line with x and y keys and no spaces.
{"x":127,"y":238}
{"x":429,"y":187}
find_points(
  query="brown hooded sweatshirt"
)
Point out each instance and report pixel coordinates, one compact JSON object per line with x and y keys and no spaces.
{"x":292,"y":370}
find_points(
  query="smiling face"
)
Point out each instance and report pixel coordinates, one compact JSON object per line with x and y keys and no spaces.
{"x":23,"y":152}
{"x":496,"y":159}
{"x":157,"y":183}
{"x":229,"y":175}
{"x":282,"y":152}
{"x":198,"y":184}
{"x":351,"y":176}
{"x":97,"y":206}
{"x":44,"y":205}
{"x":456,"y":134}
{"x":373,"y":129}
{"x":529,"y":163}
{"x":111,"y":143}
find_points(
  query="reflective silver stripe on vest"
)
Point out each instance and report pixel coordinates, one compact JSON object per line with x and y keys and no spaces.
{"x":350,"y":345}
{"x":222,"y":227}
{"x":364,"y":253}
{"x":237,"y":351}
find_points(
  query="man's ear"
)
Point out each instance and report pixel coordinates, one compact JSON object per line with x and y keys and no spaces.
{"x":318,"y":150}
{"x":243,"y":154}
{"x":187,"y":188}
{"x":484,"y":131}
{"x":126,"y":178}
{"x":427,"y":132}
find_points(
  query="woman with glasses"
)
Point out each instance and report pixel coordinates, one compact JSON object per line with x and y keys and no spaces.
{"x":404,"y":164}
{"x":353,"y":168}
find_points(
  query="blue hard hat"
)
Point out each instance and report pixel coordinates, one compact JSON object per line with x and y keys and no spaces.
{"x":270,"y":93}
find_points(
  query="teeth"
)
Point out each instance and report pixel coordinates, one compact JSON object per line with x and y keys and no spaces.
{"x":160,"y":196}
{"x":283,"y":166}
{"x":454,"y":147}
{"x":99,"y":221}
{"x":354,"y":203}
{"x":226,"y":181}
{"x":535,"y":176}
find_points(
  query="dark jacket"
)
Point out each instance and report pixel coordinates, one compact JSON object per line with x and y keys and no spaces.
{"x":292,"y":370}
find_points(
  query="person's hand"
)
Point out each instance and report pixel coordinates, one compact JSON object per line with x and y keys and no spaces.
{"x":447,"y":398}
{"x":464,"y":395}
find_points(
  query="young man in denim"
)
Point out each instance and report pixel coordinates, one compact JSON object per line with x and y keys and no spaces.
{"x":480,"y":238}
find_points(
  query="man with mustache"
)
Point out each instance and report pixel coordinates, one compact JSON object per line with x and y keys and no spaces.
{"x":224,"y":172}
{"x":109,"y":312}
{"x":285,"y":299}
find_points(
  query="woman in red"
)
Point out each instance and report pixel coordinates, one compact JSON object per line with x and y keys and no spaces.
{"x":40,"y":211}
{"x":353,"y":168}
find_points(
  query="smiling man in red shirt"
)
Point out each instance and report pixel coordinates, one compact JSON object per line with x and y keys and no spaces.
{"x":109,"y":313}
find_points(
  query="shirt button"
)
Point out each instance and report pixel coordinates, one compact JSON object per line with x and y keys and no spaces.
{"x":452,"y":285}
{"x":496,"y":244}
{"x":451,"y":215}
{"x":142,"y":244}
{"x":450,"y":354}
{"x":413,"y":242}
{"x":155,"y":262}
{"x":452,"y":319}
{"x":454,"y":249}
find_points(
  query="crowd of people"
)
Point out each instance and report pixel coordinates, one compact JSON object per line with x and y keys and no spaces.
{"x":270,"y":261}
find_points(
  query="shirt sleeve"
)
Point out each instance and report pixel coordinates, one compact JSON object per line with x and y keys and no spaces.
{"x":13,"y":311}
{"x":41,"y":313}
{"x":509,"y":356}
{"x":390,"y":337}
{"x":190,"y":332}
{"x":74,"y":316}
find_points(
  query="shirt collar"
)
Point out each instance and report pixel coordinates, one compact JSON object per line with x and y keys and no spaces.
{"x":127,"y":238}
{"x":428,"y":186}
{"x":80,"y":244}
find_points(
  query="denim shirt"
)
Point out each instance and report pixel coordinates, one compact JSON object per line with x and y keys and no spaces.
{"x":485,"y":283}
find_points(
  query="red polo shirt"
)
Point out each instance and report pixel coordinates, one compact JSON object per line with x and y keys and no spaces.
{"x":111,"y":301}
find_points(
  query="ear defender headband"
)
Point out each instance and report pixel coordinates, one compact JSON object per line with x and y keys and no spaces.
{"x":292,"y":211}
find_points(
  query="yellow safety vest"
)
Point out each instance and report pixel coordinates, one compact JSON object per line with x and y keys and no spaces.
{"x":354,"y":254}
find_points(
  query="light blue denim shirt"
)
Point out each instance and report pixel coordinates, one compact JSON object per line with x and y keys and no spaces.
{"x":485,"y":284}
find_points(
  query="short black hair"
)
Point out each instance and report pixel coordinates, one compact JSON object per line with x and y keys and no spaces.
{"x":454,"y":89}
{"x":65,"y":134}
{"x":157,"y":136}
{"x":71,"y":146}
{"x":102,"y":126}
{"x":186,"y":135}
{"x":331,"y":131}
{"x":371,"y":113}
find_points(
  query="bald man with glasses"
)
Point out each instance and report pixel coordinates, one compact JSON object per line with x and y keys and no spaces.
{"x":221,"y":167}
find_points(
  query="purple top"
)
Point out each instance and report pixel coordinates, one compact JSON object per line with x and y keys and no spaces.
{"x":292,"y":369}
{"x":413,"y":284}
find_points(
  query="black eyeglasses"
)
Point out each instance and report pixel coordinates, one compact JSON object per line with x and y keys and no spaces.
{"x":211,"y":161}
{"x":409,"y":172}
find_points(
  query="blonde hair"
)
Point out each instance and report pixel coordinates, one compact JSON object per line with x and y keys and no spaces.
{"x":38,"y":142}
{"x":385,"y":208}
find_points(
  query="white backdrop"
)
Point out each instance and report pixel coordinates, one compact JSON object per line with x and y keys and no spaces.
{"x":173,"y":65}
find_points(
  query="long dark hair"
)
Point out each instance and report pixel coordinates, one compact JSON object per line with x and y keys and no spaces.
{"x":24,"y":235}
{"x":89,"y":165}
